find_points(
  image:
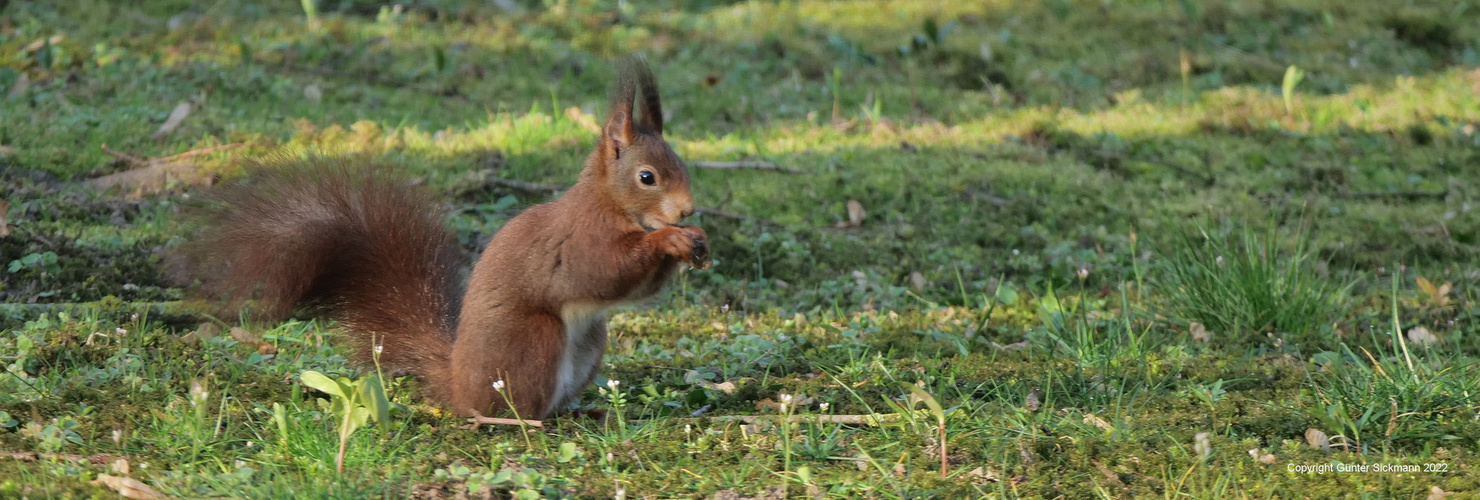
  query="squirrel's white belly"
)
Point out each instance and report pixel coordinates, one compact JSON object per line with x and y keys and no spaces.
{"x":583,"y":349}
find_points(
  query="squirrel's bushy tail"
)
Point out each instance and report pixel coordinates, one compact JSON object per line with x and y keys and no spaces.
{"x":355,"y":242}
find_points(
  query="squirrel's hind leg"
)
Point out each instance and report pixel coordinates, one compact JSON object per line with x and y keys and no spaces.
{"x":516,"y":362}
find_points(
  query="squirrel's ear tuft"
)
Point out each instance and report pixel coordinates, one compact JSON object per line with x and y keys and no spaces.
{"x":647,"y":86}
{"x":620,"y":130}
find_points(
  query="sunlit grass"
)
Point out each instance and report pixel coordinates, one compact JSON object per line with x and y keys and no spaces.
{"x":1020,"y":145}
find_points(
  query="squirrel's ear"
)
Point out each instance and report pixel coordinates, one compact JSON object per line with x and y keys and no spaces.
{"x":652,"y":106}
{"x":620,"y":131}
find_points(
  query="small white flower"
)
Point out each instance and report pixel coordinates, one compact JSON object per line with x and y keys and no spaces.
{"x":612,"y":384}
{"x":379,"y":349}
{"x":687,"y":429}
{"x":120,"y":331}
{"x":198,"y":392}
{"x":1014,"y":251}
{"x":498,"y":385}
{"x":117,"y":436}
{"x":1083,"y":271}
{"x":1219,"y":260}
{"x":823,"y":406}
{"x":1202,"y":445}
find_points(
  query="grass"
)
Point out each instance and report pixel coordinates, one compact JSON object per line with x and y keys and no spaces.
{"x":1248,"y":283}
{"x":1031,"y":173}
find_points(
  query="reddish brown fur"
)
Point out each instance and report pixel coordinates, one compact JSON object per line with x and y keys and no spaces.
{"x":361,"y":243}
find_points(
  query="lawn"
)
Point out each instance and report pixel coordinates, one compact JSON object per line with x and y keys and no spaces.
{"x":1071,"y":248}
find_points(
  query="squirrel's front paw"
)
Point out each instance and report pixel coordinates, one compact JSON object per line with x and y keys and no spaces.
{"x":699,"y":251}
{"x":687,"y":243}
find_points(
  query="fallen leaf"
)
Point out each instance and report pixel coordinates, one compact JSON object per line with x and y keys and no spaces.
{"x":1199,"y":332}
{"x":1421,"y":337}
{"x":18,"y":88}
{"x":1263,"y":458}
{"x":1091,"y":419}
{"x":1427,"y":286}
{"x":42,"y":42}
{"x":120,"y":466}
{"x":982,"y":475}
{"x":151,"y":179}
{"x":856,"y":214}
{"x":244,"y":336}
{"x":1015,"y":346}
{"x":1317,"y":439}
{"x":177,"y":117}
{"x":154,"y":175}
{"x":1437,"y":493}
{"x":266,"y":349}
{"x":725,"y":387}
{"x":4,"y":222}
{"x":1032,"y":403}
{"x":1026,"y":455}
{"x":1110,"y":475}
{"x":128,"y":487}
{"x":202,"y":332}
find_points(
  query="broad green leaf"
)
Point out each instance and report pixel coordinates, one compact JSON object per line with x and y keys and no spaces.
{"x":321,"y":382}
{"x":353,"y":420}
{"x":935,"y":409}
{"x":1006,"y":294}
{"x":280,"y":416}
{"x":372,"y":395}
{"x":503,"y":476}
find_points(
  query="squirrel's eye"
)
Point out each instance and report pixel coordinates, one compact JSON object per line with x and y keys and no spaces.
{"x":647,"y":177}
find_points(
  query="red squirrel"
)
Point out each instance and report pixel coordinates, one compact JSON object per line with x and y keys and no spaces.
{"x":373,"y":252}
